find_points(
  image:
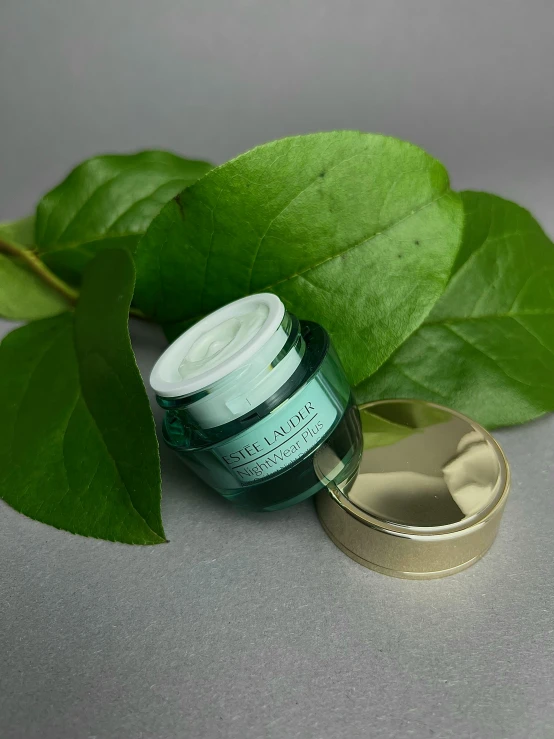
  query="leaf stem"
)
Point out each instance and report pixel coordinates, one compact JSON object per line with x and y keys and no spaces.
{"x":36,"y":265}
{"x":31,"y":260}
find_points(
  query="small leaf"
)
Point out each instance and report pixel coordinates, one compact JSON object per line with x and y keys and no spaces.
{"x":21,"y":231}
{"x":356,"y":231}
{"x":24,"y":296}
{"x":78,"y":447}
{"x":487,"y":348}
{"x":106,"y":202}
{"x":378,"y":431}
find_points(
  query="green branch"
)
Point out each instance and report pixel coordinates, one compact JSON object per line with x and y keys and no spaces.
{"x":31,"y":260}
{"x":37,"y":266}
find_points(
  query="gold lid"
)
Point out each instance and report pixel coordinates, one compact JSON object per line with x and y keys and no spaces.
{"x":427,"y":498}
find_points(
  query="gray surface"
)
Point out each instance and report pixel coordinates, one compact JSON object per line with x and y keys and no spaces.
{"x":250,"y":626}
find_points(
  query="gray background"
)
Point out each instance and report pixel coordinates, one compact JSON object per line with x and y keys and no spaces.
{"x":250,"y":625}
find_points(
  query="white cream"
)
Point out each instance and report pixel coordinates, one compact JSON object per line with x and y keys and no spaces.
{"x":231,"y":354}
{"x":216,"y":345}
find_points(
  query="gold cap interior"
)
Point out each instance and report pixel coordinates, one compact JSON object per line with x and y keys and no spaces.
{"x":427,"y":498}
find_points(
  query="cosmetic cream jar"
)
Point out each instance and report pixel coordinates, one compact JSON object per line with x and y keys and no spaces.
{"x":251,"y":395}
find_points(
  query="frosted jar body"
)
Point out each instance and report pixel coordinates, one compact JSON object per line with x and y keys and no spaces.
{"x":264,"y":460}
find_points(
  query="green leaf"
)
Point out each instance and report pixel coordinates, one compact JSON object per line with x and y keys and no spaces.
{"x":487,"y":348}
{"x":356,"y":231}
{"x":378,"y":431}
{"x":78,"y":447}
{"x":106,"y":202}
{"x":24,"y":296}
{"x":21,"y":231}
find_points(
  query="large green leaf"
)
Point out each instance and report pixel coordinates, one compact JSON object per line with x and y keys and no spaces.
{"x":78,"y":447}
{"x":24,"y":295}
{"x":356,"y":231}
{"x":105,"y":202}
{"x":487,"y":348}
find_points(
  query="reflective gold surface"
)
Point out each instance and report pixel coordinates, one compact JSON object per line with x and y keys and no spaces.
{"x":428,"y":495}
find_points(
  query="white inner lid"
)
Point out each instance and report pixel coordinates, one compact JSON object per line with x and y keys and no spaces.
{"x":217,"y":345}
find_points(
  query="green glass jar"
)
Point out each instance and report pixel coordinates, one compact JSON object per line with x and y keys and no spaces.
{"x":252,"y":395}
